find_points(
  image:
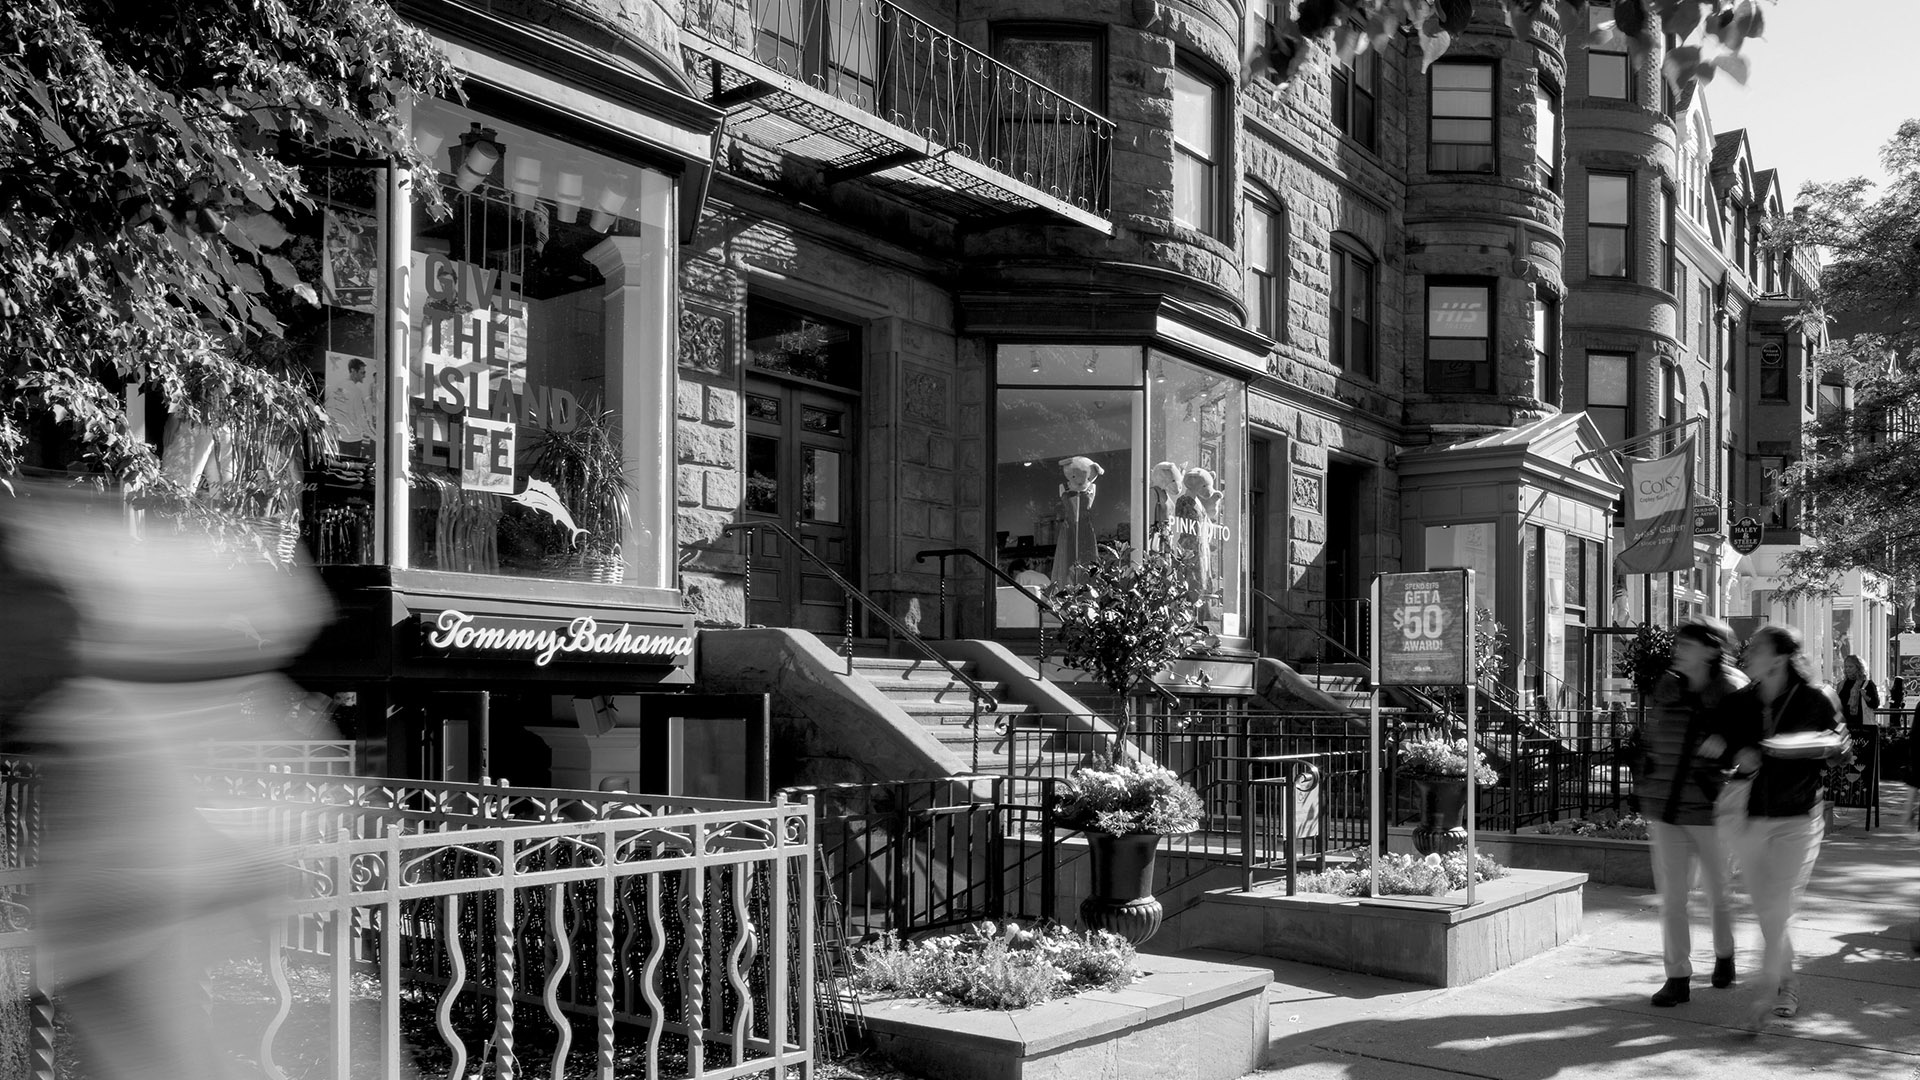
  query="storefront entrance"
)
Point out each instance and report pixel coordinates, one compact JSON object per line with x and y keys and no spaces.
{"x":800,"y":475}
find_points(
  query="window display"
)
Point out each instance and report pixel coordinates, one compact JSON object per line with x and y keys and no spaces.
{"x":1076,"y":427}
{"x":517,"y":463}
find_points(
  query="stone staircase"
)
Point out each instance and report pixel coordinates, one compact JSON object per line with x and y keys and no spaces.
{"x":943,"y":705}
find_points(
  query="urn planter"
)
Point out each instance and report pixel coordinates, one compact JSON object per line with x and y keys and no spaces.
{"x":1443,"y":807}
{"x":1121,"y":898}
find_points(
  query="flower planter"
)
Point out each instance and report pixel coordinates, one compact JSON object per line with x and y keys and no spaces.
{"x":1121,"y":899}
{"x":1443,"y":807}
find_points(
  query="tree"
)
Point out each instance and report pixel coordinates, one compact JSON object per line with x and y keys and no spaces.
{"x":151,"y":156}
{"x":1127,"y":616}
{"x":1861,"y":467}
{"x":1704,"y":36}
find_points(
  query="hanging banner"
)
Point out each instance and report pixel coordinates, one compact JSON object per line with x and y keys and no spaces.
{"x":1659,"y":513}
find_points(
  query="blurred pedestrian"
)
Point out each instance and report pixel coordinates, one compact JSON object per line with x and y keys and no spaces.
{"x":157,"y":646}
{"x":1859,"y":697}
{"x":1677,"y":786}
{"x":1780,"y":734}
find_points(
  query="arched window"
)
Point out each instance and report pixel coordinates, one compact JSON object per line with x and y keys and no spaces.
{"x":1263,"y":251}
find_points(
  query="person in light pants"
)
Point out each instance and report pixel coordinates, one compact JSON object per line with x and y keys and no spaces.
{"x":1783,"y":733}
{"x":1677,"y":786}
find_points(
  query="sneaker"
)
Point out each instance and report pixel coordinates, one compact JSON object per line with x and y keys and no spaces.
{"x":1674,"y":992}
{"x":1786,"y":1003}
{"x":1723,"y":972}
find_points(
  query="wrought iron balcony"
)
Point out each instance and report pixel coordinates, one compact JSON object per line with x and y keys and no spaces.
{"x":869,"y":91}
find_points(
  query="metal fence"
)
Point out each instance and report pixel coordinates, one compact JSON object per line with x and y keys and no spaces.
{"x":320,"y":757}
{"x":910,"y":856}
{"x":677,"y":934}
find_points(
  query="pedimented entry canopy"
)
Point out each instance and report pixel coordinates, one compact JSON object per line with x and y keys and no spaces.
{"x":1545,"y":456}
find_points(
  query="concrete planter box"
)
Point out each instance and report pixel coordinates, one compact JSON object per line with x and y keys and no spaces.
{"x":1605,"y":862}
{"x":1513,"y":918}
{"x":1185,"y":1018}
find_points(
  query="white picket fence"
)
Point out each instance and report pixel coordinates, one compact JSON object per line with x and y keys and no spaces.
{"x":667,"y":937}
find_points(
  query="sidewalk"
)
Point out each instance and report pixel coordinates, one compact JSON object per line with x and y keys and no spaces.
{"x":1581,"y":1010}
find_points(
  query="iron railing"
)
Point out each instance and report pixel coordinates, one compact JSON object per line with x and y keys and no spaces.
{"x":678,"y":938}
{"x":322,"y":757}
{"x":905,"y":857}
{"x":982,"y":699}
{"x":879,"y":58}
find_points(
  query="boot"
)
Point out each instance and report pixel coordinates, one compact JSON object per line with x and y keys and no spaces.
{"x":1673,"y":993}
{"x":1722,"y":972}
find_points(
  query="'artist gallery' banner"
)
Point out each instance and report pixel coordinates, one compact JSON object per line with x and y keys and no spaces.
{"x":1660,"y":513}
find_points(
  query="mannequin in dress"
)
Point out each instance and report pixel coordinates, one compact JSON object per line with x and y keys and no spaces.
{"x":1074,"y":542}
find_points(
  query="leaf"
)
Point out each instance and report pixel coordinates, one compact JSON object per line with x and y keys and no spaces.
{"x":264,"y":230}
{"x":1455,"y":15}
{"x":282,"y":271}
{"x":1734,"y":65}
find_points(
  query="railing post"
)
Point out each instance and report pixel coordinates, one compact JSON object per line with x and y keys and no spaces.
{"x":1246,"y":830}
{"x":746,"y":580}
{"x":1289,"y":774}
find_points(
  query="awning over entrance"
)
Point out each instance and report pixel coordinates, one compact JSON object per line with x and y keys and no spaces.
{"x":870,"y":92}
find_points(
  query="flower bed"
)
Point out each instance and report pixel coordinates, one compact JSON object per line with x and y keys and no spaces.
{"x":1403,"y":875}
{"x":991,"y":966}
{"x":1604,"y":827}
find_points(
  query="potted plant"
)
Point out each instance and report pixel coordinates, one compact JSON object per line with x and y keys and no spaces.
{"x":1126,"y":618}
{"x":1438,"y":769}
{"x":1125,"y":808}
{"x":587,"y":468}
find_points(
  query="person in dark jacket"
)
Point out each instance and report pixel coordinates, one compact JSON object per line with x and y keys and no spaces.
{"x":1782,"y":732}
{"x":1677,"y":787}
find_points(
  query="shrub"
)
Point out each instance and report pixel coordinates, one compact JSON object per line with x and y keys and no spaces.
{"x":1404,"y":875}
{"x":993,"y":966}
{"x":1444,"y":758}
{"x":1125,"y":799}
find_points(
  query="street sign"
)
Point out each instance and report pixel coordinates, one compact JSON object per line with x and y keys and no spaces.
{"x":1425,"y":629}
{"x":1747,"y":534}
{"x":1706,"y":519}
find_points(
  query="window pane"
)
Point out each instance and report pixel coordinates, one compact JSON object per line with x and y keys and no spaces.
{"x":1463,"y":131}
{"x":1546,"y":135}
{"x":1258,"y":248}
{"x":1606,"y":251}
{"x":820,"y":478}
{"x":1457,"y":311}
{"x":1194,"y":112}
{"x":1196,"y":485}
{"x":1607,"y":75}
{"x":1607,"y":379}
{"x":1461,"y":77}
{"x":1607,"y":198}
{"x":763,"y":475}
{"x":788,"y":341}
{"x":1193,"y":194}
{"x":1074,"y":365}
{"x":1064,"y":64}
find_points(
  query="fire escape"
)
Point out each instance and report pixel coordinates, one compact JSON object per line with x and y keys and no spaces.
{"x":871,"y":93}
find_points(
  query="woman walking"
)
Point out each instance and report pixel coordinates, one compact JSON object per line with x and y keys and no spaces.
{"x":1782,"y":733}
{"x":1677,"y":786}
{"x":1858,"y":696}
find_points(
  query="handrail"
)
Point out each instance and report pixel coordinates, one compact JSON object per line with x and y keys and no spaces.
{"x":1169,"y":697}
{"x":974,"y":688}
{"x":1294,"y":624}
{"x":1291,"y":766}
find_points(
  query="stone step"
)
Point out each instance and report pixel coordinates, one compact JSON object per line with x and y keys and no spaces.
{"x":903,"y":667}
{"x":945,"y":712}
{"x":954,"y":693}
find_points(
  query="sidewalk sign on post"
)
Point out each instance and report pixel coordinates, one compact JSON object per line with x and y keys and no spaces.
{"x":1430,"y":643}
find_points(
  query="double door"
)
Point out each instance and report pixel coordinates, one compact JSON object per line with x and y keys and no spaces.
{"x":800,"y":475}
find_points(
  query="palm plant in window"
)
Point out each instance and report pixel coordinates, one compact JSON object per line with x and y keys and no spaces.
{"x":587,"y":467}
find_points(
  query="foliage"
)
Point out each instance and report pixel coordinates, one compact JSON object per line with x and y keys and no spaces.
{"x":1127,"y":616}
{"x":1860,"y":466}
{"x":993,"y":966}
{"x":1607,"y":826}
{"x":587,"y":467}
{"x":1404,"y":875}
{"x":1489,"y":646}
{"x":1124,"y":799}
{"x":150,"y":157}
{"x":1444,"y":757}
{"x":1708,"y":34}
{"x":1646,"y":656}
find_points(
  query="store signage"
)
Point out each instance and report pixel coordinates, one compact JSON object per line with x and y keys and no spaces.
{"x":1659,"y":513}
{"x":1706,"y":520}
{"x":1747,"y":535}
{"x":458,"y":633}
{"x":1426,"y":628}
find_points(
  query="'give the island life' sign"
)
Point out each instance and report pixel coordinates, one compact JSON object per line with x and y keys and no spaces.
{"x":1423,"y":634}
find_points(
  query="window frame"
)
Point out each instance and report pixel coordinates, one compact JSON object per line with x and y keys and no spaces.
{"x":1213,"y":183}
{"x":1547,"y":376}
{"x":1492,"y":117}
{"x":1344,"y":253}
{"x":1487,"y":383}
{"x":1624,"y":228}
{"x":1595,"y":8}
{"x":1669,"y":256}
{"x":1346,"y":88}
{"x":1001,"y":31}
{"x":1624,"y":407}
{"x":1544,"y":90}
{"x":1269,"y":293}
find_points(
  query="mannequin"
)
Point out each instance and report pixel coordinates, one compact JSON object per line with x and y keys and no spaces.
{"x":1074,"y":542}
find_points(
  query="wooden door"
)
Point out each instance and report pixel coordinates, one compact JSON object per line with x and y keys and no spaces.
{"x":800,"y":474}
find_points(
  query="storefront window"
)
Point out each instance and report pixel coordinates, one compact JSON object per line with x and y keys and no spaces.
{"x":1469,"y":547}
{"x":1099,"y":445}
{"x":517,"y":462}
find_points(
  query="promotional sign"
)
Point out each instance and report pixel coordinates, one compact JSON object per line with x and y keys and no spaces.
{"x":1659,"y":513}
{"x":1425,"y":628}
{"x":455,"y":633}
{"x":1747,"y":535}
{"x":1706,"y":520}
